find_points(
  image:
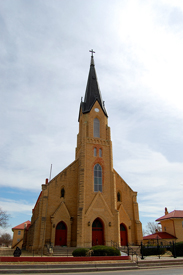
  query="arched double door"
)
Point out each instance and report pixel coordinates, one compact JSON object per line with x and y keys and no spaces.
{"x":61,"y":234}
{"x":97,"y":232}
{"x":123,"y":235}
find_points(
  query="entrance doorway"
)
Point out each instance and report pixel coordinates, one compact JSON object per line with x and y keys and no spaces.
{"x":123,"y":234}
{"x":61,"y":234}
{"x":97,"y":232}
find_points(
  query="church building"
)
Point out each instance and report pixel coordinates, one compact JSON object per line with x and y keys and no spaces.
{"x":88,"y":203}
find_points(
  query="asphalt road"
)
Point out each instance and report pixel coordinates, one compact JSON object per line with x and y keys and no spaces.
{"x":158,"y":271}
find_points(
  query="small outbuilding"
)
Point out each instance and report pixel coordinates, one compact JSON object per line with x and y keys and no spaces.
{"x":171,"y":229}
{"x":19,"y":234}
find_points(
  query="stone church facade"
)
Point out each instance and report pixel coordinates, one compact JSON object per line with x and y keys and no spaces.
{"x":88,"y":203}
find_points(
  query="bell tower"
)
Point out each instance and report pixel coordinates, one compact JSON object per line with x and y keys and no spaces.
{"x":94,"y":152}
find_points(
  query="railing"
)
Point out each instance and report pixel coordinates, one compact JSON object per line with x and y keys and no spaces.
{"x":157,"y":248}
{"x":129,"y":249}
{"x":17,"y":243}
{"x":114,"y":244}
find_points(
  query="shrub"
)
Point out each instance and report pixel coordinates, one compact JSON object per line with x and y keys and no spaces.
{"x":78,"y":252}
{"x":102,"y":250}
{"x":148,"y":251}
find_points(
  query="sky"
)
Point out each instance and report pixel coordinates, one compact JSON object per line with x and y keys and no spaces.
{"x":44,"y":65}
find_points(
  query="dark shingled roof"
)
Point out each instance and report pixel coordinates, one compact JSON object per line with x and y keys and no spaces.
{"x":92,"y":92}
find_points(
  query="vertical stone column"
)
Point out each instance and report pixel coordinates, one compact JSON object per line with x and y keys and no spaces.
{"x":43,"y":215}
{"x":81,"y":181}
{"x":116,"y":213}
{"x":138,"y":225}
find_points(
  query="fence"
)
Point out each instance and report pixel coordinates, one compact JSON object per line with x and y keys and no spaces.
{"x":157,"y":248}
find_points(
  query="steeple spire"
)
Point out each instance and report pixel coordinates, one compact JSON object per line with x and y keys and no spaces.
{"x":92,"y":90}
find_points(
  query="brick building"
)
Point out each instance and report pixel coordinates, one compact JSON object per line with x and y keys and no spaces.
{"x":88,"y":203}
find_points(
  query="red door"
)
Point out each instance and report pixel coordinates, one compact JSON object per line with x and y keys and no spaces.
{"x":97,"y":232}
{"x":61,"y":234}
{"x":123,"y":234}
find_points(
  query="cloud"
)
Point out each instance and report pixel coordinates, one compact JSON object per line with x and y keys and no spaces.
{"x":18,"y":211}
{"x":13,"y":206}
{"x":44,"y":64}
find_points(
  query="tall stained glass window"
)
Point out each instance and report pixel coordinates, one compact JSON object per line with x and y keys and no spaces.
{"x":97,"y":178}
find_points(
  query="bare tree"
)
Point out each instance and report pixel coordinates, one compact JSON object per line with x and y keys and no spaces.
{"x":144,"y":233}
{"x":3,"y":218}
{"x":152,"y":227}
{"x":6,"y":239}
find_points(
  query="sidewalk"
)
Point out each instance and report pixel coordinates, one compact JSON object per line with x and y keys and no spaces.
{"x":162,"y":258}
{"x":149,"y":262}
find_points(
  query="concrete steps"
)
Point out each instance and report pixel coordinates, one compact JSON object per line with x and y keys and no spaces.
{"x":79,"y":267}
{"x":59,"y":251}
{"x":6,"y":251}
{"x":86,"y":267}
{"x":133,"y":250}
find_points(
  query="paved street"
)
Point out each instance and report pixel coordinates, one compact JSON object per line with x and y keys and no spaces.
{"x":159,"y":271}
{"x":163,"y":271}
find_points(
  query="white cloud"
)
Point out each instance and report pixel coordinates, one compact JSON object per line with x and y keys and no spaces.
{"x":44,"y":62}
{"x":14,"y":206}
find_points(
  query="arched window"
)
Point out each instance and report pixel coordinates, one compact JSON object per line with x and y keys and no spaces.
{"x":118,"y":196}
{"x":96,"y":128}
{"x":62,"y":193}
{"x":95,"y":152}
{"x":97,"y":178}
{"x":100,"y":152}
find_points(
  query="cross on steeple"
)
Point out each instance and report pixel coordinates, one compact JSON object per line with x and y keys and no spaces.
{"x":92,"y":52}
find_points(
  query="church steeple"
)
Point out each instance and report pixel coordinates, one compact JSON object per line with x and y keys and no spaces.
{"x":92,"y":91}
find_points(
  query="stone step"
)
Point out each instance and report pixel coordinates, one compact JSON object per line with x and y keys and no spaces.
{"x":63,"y":251}
{"x":6,"y":252}
{"x":133,"y":250}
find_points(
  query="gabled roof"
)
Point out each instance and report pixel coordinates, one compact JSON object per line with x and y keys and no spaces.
{"x":92,"y":93}
{"x":172,"y":215}
{"x":22,"y":225}
{"x":159,"y":236}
